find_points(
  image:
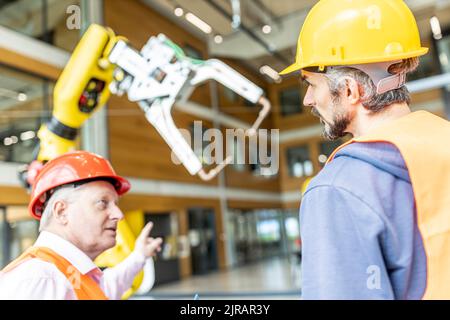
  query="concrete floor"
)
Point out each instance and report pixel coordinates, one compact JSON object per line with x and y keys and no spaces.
{"x":277,"y":278}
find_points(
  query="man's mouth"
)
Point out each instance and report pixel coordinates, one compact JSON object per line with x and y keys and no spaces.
{"x":114,"y":229}
{"x":316,"y":113}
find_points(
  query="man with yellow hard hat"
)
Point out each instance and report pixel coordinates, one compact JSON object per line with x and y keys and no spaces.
{"x":375,"y":222}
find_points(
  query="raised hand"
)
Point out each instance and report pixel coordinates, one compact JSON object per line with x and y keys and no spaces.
{"x":147,"y":245}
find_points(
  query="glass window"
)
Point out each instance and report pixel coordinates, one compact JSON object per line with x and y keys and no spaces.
{"x":25,"y":102}
{"x":23,"y":234}
{"x":202,"y":235}
{"x":17,"y":232}
{"x":268,"y":230}
{"x":259,"y":161}
{"x":443,"y":47}
{"x":45,"y":20}
{"x":291,"y":99}
{"x":192,"y":52}
{"x":263,"y":233}
{"x":230,"y":95}
{"x":327,"y":148}
{"x":292,"y":227}
{"x":24,"y":16}
{"x":165,"y":225}
{"x":299,"y":162}
{"x":428,"y":67}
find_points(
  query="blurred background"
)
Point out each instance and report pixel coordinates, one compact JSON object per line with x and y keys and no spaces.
{"x":236,"y":236}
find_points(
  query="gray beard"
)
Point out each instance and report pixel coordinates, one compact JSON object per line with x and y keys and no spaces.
{"x":335,"y":130}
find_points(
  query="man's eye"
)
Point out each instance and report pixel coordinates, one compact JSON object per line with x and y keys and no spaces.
{"x":102,"y":203}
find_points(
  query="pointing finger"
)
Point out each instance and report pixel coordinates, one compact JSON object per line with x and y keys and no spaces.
{"x":146,"y":230}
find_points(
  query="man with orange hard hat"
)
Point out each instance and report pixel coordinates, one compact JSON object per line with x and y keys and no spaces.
{"x":75,"y":197}
{"x":375,"y":222}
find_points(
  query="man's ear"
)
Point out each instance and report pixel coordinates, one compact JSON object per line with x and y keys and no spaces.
{"x":60,"y":211}
{"x":352,"y":94}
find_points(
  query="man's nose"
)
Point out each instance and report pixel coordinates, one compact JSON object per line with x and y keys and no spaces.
{"x":308,"y":100}
{"x":116,"y":213}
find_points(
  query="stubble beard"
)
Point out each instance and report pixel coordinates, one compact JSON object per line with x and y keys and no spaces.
{"x":336,"y":129}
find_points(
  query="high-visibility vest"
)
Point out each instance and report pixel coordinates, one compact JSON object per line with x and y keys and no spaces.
{"x":84,"y":286}
{"x":423,"y":140}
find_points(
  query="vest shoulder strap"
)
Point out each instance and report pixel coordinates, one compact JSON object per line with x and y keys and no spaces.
{"x":84,"y":286}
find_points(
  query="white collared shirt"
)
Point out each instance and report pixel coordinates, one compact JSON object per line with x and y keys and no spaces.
{"x":35,"y":279}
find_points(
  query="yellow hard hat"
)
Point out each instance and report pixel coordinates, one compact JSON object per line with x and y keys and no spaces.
{"x":348,"y":32}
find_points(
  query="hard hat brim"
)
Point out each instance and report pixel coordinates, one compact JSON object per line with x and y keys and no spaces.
{"x":292,"y":68}
{"x":298,"y":66}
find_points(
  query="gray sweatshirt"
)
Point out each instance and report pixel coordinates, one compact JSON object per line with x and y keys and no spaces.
{"x":359,"y":231}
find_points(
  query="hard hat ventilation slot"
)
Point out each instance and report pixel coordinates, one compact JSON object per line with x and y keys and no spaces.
{"x":342,"y":52}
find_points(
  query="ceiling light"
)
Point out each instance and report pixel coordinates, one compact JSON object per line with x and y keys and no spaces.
{"x":27,"y":135}
{"x":199,"y":23}
{"x":7,"y":141}
{"x":178,"y":11}
{"x":218,"y":39}
{"x":268,"y":71}
{"x":236,"y":19}
{"x":323,"y":158}
{"x":22,"y":97}
{"x":266,"y":29}
{"x":436,"y":28}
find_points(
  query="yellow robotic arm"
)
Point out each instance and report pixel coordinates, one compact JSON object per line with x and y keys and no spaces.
{"x":155,"y":78}
{"x":80,"y":91}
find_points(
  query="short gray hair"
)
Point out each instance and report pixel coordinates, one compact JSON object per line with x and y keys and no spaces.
{"x":65,"y":193}
{"x":369,"y":97}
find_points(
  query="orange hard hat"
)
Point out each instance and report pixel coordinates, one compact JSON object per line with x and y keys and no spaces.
{"x":72,"y":167}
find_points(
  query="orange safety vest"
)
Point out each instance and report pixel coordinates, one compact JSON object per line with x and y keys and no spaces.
{"x":84,"y":286}
{"x":423,"y":140}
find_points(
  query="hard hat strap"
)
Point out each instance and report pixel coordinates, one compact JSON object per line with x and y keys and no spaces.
{"x":393,"y":82}
{"x":378,"y":72}
{"x":383,"y":80}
